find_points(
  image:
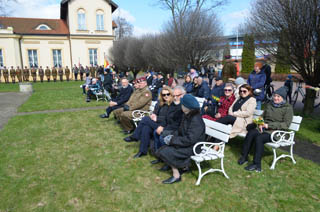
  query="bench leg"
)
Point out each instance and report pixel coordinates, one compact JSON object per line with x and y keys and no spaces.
{"x":200,"y":173}
{"x":275,"y":158}
{"x":291,"y":154}
{"x":222,"y":168}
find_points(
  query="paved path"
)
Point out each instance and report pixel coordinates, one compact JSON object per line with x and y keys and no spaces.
{"x":9,"y":102}
{"x":62,"y":110}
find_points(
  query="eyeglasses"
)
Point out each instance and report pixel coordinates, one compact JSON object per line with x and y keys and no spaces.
{"x":166,"y":94}
{"x":227,"y":90}
{"x":177,"y":95}
{"x":243,"y":91}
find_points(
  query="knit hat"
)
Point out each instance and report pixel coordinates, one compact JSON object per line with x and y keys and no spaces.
{"x":240,"y":81}
{"x":290,"y":76}
{"x":190,"y":102}
{"x":218,"y":78}
{"x":282,"y":91}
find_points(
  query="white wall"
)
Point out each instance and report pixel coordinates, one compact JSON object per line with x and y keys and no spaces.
{"x":90,"y":8}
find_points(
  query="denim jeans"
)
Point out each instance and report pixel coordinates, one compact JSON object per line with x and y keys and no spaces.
{"x":258,"y":105}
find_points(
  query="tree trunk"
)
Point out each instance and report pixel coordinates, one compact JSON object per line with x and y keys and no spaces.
{"x":309,"y":102}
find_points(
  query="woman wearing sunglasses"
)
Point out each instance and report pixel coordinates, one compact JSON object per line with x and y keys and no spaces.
{"x":224,"y":104}
{"x":240,"y":114}
{"x":150,"y":123}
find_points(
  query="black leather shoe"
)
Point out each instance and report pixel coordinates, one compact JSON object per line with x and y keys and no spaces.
{"x":165,"y":168}
{"x":155,"y":161}
{"x":88,"y":100}
{"x":242,"y":160}
{"x":104,"y":116}
{"x":253,"y":167}
{"x":139,"y":155}
{"x":130,"y":139}
{"x":171,"y":180}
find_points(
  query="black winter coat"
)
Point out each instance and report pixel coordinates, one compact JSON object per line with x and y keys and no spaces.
{"x":124,"y":95}
{"x":191,"y":131}
{"x":169,"y":117}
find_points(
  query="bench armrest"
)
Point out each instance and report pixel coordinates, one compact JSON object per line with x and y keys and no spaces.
{"x":207,"y":148}
{"x":139,"y":114}
{"x":282,"y":136}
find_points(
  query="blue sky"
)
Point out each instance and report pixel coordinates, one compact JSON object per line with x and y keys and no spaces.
{"x":145,"y":15}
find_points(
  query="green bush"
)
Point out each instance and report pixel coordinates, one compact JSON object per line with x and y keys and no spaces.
{"x":248,"y":54}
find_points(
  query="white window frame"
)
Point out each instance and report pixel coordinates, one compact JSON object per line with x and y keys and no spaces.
{"x":57,"y":58}
{"x":100,"y":21}
{"x":93,"y":57}
{"x":81,"y":20}
{"x":42,"y":26}
{"x":33,"y":58}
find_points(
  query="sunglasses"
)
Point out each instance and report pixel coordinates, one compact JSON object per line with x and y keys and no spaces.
{"x":165,"y":94}
{"x":243,"y":91}
{"x":228,"y":90}
{"x":177,"y":95}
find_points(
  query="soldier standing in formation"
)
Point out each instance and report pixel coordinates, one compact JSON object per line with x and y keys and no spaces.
{"x":41,"y":73}
{"x":75,"y":71}
{"x":92,"y":71}
{"x":26,"y":74}
{"x":67,"y":73}
{"x":6,"y":75}
{"x":34,"y":74}
{"x":81,"y":73}
{"x":19,"y":74}
{"x":13,"y":75}
{"x":60,"y":74}
{"x":48,"y":73}
{"x":54,"y":74}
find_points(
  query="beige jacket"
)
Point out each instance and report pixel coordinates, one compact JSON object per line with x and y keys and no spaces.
{"x":244,"y":116}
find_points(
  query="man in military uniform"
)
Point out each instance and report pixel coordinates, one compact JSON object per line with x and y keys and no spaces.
{"x":75,"y":71}
{"x":92,"y":71}
{"x":139,"y":100}
{"x":54,"y":73}
{"x":67,"y":73}
{"x":229,"y":70}
{"x":60,"y":74}
{"x":48,"y":73}
{"x":13,"y":75}
{"x":34,"y":74}
{"x":26,"y":74}
{"x":81,"y":73}
{"x":41,"y":73}
{"x":19,"y":74}
{"x":5,"y":75}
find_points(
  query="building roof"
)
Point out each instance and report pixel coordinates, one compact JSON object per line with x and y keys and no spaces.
{"x":27,"y":26}
{"x":114,"y":6}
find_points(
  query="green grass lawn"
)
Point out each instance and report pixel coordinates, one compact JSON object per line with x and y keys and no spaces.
{"x":53,"y":96}
{"x":78,"y":162}
{"x":310,"y":130}
{"x":9,"y":87}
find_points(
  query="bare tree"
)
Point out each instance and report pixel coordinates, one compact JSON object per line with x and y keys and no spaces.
{"x":4,"y":5}
{"x":117,"y":54}
{"x":298,"y":23}
{"x":198,"y":35}
{"x":133,"y":55}
{"x":124,"y":28}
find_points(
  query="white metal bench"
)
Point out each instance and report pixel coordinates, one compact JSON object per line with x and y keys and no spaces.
{"x":220,"y":132}
{"x":281,"y":138}
{"x":139,"y":114}
{"x":200,"y":100}
{"x":284,"y":138}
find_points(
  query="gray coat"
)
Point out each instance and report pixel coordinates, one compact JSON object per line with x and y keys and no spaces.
{"x":191,"y":131}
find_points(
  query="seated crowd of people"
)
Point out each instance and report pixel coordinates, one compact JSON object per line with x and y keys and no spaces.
{"x":176,"y":123}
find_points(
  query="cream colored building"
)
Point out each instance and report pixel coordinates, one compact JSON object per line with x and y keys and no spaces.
{"x":83,"y":35}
